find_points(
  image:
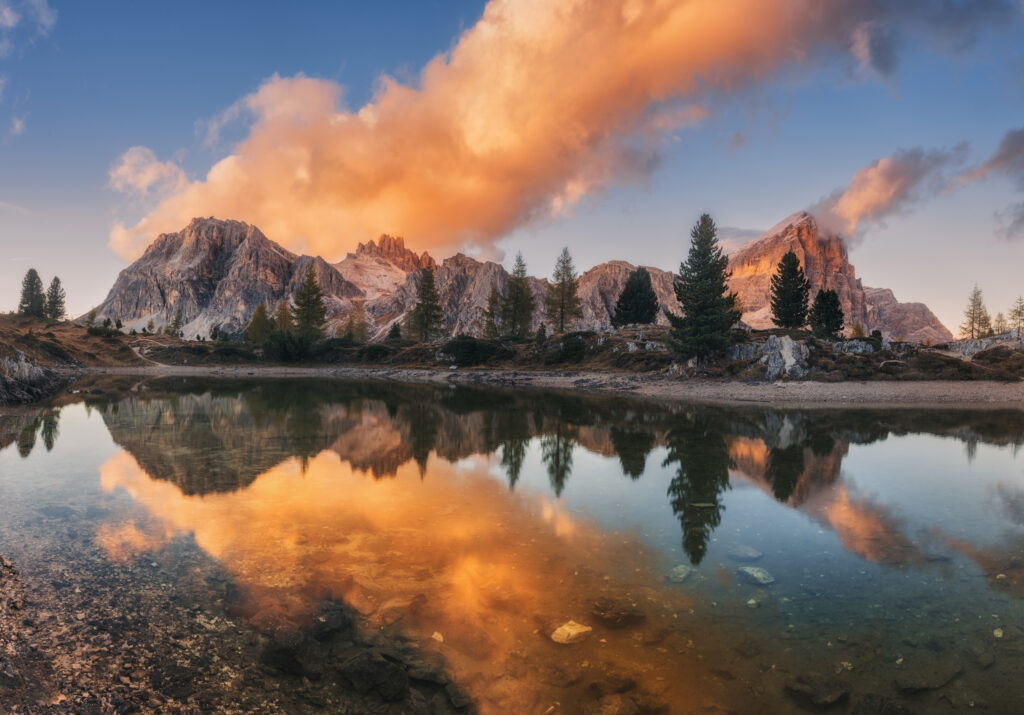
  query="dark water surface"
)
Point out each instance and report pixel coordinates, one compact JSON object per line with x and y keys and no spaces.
{"x":460,"y":529}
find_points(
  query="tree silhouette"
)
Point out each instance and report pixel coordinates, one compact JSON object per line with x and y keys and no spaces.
{"x":632,"y":448}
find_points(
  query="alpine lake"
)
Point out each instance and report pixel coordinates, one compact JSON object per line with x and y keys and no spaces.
{"x":213,"y":545}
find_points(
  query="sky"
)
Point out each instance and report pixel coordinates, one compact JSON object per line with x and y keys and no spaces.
{"x":518,"y":125}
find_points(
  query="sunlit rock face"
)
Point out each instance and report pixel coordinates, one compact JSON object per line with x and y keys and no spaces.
{"x":380,"y":267}
{"x":216,"y":273}
{"x":827,"y":266}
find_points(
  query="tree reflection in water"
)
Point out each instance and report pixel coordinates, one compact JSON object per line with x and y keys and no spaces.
{"x":697,"y":446}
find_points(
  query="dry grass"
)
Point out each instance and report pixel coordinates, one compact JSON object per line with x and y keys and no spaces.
{"x":64,"y":343}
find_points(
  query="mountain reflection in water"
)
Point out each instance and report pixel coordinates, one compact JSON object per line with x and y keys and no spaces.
{"x":420,"y":508}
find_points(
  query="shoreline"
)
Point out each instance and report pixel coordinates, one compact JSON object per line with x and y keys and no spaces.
{"x":807,"y":394}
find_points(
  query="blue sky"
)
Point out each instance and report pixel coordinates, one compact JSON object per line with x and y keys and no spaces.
{"x":101,"y":78}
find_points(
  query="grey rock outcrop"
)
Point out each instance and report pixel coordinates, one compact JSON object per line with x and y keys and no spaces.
{"x":216,"y":272}
{"x":22,"y":381}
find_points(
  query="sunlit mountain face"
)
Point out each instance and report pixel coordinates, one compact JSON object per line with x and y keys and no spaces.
{"x":714,"y":557}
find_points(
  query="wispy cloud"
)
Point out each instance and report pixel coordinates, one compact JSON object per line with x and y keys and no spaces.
{"x":17,"y":127}
{"x":9,"y":17}
{"x":1007,"y":160}
{"x":14,"y":209}
{"x":889,"y":186}
{"x":139,"y":172}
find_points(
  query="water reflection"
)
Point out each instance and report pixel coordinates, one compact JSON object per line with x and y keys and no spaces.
{"x":474,"y":523}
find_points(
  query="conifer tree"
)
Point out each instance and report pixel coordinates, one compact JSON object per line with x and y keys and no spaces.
{"x":356,"y":327}
{"x":858,"y":331}
{"x":542,"y":335}
{"x":90,"y":318}
{"x":999,"y":324}
{"x":826,"y":315}
{"x":175,"y":327}
{"x":1017,"y":314}
{"x":33,"y":300}
{"x":283,"y":320}
{"x":55,"y":300}
{"x":260,"y":327}
{"x":517,"y":308}
{"x":638,"y":303}
{"x":492,"y":315}
{"x":976,"y":319}
{"x":310,"y":312}
{"x":709,"y":309}
{"x":395,"y":333}
{"x":563,"y":301}
{"x":790,"y":290}
{"x":426,"y":319}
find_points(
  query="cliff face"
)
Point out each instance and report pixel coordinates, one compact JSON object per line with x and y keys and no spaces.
{"x":827,"y":266}
{"x":216,"y":273}
{"x":380,"y":267}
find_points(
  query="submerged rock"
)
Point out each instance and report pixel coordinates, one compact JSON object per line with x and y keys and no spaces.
{"x":613,"y":614}
{"x":744,"y":553}
{"x":872,"y":704}
{"x":817,"y":691}
{"x":571,"y":632}
{"x":756,"y":575}
{"x":370,"y":671}
{"x":930,"y":675}
{"x":680,"y":573}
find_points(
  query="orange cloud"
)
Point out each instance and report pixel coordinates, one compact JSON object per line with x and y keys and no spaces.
{"x":537,"y":105}
{"x":886,"y":187}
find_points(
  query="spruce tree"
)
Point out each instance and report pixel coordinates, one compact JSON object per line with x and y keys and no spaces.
{"x":517,"y":308}
{"x":790,"y":290}
{"x":395,"y":333}
{"x":492,"y":315}
{"x":563,"y":301}
{"x":709,"y":309}
{"x":33,"y":300}
{"x":426,"y":319}
{"x":55,"y":300}
{"x":175,"y":327}
{"x":260,"y":327}
{"x":310,"y":312}
{"x":638,"y":303}
{"x":826,"y":315}
{"x":283,"y":320}
{"x":976,"y":319}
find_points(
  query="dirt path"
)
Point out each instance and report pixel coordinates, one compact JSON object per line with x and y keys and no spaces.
{"x":805,"y":394}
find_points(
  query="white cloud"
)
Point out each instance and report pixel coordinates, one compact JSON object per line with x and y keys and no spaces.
{"x":17,"y":126}
{"x":8,"y":16}
{"x":44,"y":16}
{"x":138,"y":171}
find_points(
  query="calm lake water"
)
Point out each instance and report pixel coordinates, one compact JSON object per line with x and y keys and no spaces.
{"x":726,"y":560}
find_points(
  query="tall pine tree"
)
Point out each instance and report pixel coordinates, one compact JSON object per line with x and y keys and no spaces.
{"x":284,"y":322}
{"x":709,"y":309}
{"x":260,"y":327}
{"x":492,"y":315}
{"x":517,"y":308}
{"x":55,"y":300}
{"x":426,"y":320}
{"x":1017,"y":315}
{"x":826,"y":315}
{"x":563,"y":301}
{"x":790,"y":290}
{"x":638,"y":303}
{"x":33,"y":300}
{"x":310,"y":311}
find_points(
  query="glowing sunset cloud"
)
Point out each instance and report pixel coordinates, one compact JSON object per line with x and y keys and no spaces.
{"x":536,"y":106}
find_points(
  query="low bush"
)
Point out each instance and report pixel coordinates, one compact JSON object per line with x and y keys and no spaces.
{"x":466,"y":351}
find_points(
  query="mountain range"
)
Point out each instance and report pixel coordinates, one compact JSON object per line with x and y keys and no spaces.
{"x":215,"y":272}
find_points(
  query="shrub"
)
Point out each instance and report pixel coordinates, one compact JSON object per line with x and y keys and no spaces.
{"x":376,"y":352}
{"x":465,"y":350}
{"x":571,"y":348}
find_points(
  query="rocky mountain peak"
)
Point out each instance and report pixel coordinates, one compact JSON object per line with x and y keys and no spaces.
{"x":393,"y":250}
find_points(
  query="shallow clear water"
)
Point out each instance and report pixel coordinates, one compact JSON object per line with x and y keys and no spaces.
{"x":472,"y":524}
